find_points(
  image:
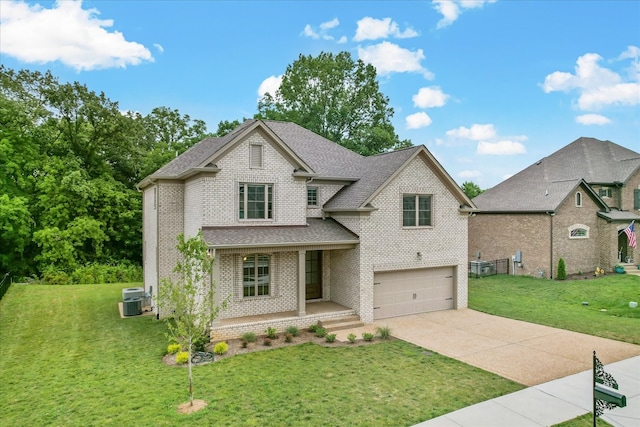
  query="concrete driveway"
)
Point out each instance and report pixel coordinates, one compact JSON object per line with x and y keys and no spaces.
{"x":524,"y":352}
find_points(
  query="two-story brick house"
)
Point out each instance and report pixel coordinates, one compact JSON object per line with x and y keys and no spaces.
{"x":303,"y":229}
{"x":573,"y":204}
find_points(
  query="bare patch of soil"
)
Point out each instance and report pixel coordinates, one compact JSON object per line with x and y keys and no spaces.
{"x":188,"y":408}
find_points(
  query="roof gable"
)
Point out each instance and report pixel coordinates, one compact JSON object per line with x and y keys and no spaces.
{"x":544,"y":185}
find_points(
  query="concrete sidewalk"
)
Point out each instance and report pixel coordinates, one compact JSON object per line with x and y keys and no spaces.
{"x":552,"y":402}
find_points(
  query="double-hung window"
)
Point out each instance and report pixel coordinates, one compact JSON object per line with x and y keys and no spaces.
{"x":312,"y":196}
{"x":416,"y":210}
{"x":255,"y":275}
{"x":255,"y":201}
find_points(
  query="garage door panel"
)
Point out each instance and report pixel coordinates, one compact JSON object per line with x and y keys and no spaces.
{"x":404,"y":292}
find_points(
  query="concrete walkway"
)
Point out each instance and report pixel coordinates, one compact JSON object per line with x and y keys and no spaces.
{"x":552,"y":403}
{"x":555,"y":364}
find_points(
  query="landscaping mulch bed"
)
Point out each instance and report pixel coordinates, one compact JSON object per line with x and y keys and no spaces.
{"x":236,"y":345}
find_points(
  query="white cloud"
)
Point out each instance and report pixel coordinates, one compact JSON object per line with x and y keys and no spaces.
{"x":330,"y":24}
{"x":476,"y":132}
{"x":65,"y":33}
{"x":592,"y":119}
{"x":269,"y":85}
{"x":159,"y":47}
{"x":373,"y":29}
{"x":418,"y":120}
{"x":451,"y":9}
{"x":468,"y":174}
{"x":632,"y":52}
{"x":429,"y":97}
{"x":500,"y":148}
{"x":342,"y":40}
{"x":598,"y":86}
{"x":322,"y":31}
{"x":390,"y":58}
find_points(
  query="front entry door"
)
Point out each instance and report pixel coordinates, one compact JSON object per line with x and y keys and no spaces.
{"x":313,"y":261}
{"x":623,"y":243}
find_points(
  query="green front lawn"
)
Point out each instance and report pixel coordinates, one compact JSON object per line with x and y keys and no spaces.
{"x":560,"y":303}
{"x":67,"y":358}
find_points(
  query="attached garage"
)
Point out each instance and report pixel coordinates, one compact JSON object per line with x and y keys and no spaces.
{"x":403,"y":292}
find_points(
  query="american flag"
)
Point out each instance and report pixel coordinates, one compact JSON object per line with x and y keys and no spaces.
{"x":631,"y":235}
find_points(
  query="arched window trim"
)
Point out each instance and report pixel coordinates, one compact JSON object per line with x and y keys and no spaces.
{"x":579,"y":231}
{"x":578,"y":199}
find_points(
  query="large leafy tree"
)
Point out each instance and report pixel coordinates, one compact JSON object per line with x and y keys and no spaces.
{"x":338,"y":98}
{"x":471,"y":189}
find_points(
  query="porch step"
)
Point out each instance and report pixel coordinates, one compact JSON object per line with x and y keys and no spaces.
{"x":631,"y":269}
{"x":340,"y":323}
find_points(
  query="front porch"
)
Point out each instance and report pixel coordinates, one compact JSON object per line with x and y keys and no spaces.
{"x":314,"y":312}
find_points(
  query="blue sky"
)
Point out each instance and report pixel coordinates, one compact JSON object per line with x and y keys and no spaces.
{"x":489,"y":87}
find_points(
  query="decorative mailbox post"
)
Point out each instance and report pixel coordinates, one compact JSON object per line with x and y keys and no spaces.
{"x":605,"y":391}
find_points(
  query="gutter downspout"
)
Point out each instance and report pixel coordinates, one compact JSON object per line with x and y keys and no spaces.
{"x":551,"y":215}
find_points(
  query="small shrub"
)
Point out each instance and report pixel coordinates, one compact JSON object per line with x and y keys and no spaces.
{"x":352,"y":338}
{"x":249,"y":337}
{"x":367,"y":336}
{"x":200,"y":343}
{"x":271,"y":333}
{"x":314,"y":328}
{"x":321,"y":332}
{"x":288,"y":337}
{"x":245,"y":343}
{"x":562,"y":270}
{"x":293,"y":330}
{"x":330,"y":337}
{"x":220,"y":348}
{"x":174,"y":348}
{"x":267,"y":341}
{"x":384,"y":332}
{"x":182,"y":357}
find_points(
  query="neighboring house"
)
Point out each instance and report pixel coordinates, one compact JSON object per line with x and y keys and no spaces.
{"x":297,"y":223}
{"x":573,"y":204}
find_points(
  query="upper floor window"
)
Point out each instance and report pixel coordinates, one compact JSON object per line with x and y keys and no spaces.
{"x":579,"y":231}
{"x":255,"y":201}
{"x":416,"y":210}
{"x":605,"y":192}
{"x":312,"y":196}
{"x":255,"y":275}
{"x":255,"y":156}
{"x":579,"y":199}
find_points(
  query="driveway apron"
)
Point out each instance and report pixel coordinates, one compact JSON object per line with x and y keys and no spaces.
{"x":524,"y":352}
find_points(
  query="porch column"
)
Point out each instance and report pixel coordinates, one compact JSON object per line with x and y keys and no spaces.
{"x":215,"y":282}
{"x":302,"y":281}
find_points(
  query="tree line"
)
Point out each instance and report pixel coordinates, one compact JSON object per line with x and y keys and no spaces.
{"x":70,"y":158}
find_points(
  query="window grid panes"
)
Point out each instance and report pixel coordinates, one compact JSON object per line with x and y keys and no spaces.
{"x":255,"y":201}
{"x":312,"y":196}
{"x":605,"y":192}
{"x":255,"y":275}
{"x":416,"y":210}
{"x":579,"y":232}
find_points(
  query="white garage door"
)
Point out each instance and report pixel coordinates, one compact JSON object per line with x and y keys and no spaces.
{"x":403,"y":292}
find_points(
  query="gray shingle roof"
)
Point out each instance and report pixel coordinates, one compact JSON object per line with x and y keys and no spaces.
{"x":326,"y":159}
{"x":317,"y":231}
{"x":545,"y":184}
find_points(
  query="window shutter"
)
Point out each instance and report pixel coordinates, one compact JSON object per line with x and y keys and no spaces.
{"x":636,"y":199}
{"x":255,"y":160}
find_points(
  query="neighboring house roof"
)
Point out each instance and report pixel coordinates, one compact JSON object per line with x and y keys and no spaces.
{"x":543,"y":186}
{"x":315,"y":157}
{"x":316,"y":232}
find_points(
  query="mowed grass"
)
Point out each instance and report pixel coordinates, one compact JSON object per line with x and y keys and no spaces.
{"x":560,"y":303}
{"x":68,"y":359}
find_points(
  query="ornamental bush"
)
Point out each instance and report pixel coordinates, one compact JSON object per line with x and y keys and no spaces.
{"x":182,"y":357}
{"x":174,"y":348}
{"x":562,"y":270}
{"x":221,"y":348}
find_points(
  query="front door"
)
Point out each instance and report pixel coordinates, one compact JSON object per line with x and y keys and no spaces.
{"x":313,"y":268}
{"x":623,"y":243}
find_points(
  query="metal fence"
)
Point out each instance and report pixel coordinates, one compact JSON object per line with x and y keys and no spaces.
{"x":488,"y":268}
{"x":4,"y":284}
